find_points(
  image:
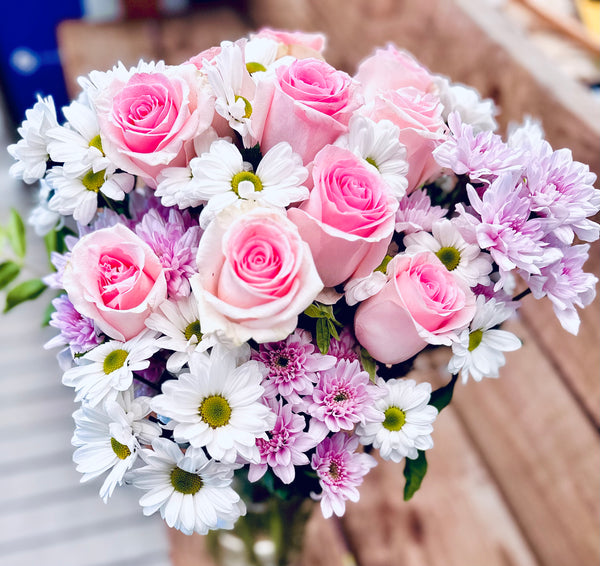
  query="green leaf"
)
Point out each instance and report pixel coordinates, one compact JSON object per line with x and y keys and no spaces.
{"x":9,"y":270}
{"x":323,"y":336}
{"x":313,"y":311}
{"x":48,"y":314}
{"x":441,"y":397}
{"x":368,"y":364}
{"x":414,"y":472}
{"x":332,"y":329}
{"x":26,"y":291}
{"x":16,"y":233}
{"x":51,"y":242}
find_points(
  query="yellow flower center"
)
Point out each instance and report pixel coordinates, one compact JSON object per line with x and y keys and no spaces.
{"x":97,"y":143}
{"x":475,"y":338}
{"x":247,"y":106}
{"x":119,"y":449}
{"x":115,"y":361}
{"x":185,"y":482}
{"x":245,"y":176}
{"x":93,"y":181}
{"x":253,"y":67}
{"x":394,"y":418}
{"x":193,"y":329}
{"x":215,"y":411}
{"x":449,"y":256}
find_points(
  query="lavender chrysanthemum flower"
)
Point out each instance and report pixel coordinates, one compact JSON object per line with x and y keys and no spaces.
{"x":285,"y":446}
{"x":341,"y":470}
{"x":505,"y":229}
{"x":175,"y":242}
{"x":566,"y":285}
{"x":76,"y":331}
{"x":59,"y":261}
{"x":415,"y":213}
{"x":346,"y":348}
{"x":292,"y":365}
{"x":343,"y":397}
{"x":481,"y":156}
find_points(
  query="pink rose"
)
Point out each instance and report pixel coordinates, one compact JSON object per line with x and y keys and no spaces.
{"x":422,"y":303}
{"x":114,"y":278}
{"x":348,"y":219}
{"x":391,"y":69}
{"x":315,"y":41}
{"x":422,"y":129}
{"x":255,"y":277}
{"x":149,"y":118}
{"x":310,"y":107}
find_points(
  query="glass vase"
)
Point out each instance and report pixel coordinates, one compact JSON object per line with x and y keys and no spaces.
{"x":270,"y":534}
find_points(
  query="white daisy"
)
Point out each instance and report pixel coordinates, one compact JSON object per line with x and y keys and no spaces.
{"x":78,"y":196}
{"x":218,"y":405}
{"x":259,"y":54}
{"x":31,"y":151}
{"x":479,"y":350}
{"x":464,"y":260}
{"x":41,"y":217}
{"x":193,"y":493}
{"x":179,"y":321}
{"x":233,"y":87}
{"x":408,"y":420}
{"x":378,"y":144}
{"x":108,"y":438}
{"x":221,"y":177}
{"x":108,"y":368}
{"x":77,"y":144}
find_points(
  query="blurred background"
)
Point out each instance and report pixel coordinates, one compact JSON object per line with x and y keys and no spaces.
{"x":513,"y":479}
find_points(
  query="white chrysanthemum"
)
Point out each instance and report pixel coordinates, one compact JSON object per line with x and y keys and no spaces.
{"x":467,"y":102}
{"x":179,"y":321}
{"x":479,"y":350}
{"x":259,"y":54}
{"x":193,"y":493}
{"x":464,"y":260}
{"x":78,"y":196}
{"x":31,"y":151}
{"x":108,"y":368}
{"x":360,"y":289}
{"x":77,"y":144}
{"x":233,"y":87}
{"x":408,"y":420}
{"x":221,"y":177}
{"x":109,"y":438}
{"x":378,"y":144}
{"x":218,"y":405}
{"x":41,"y":217}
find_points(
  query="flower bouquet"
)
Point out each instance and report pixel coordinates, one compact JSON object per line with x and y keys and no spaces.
{"x":252,"y":247}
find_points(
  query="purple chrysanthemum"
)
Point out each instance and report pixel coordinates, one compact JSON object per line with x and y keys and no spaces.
{"x":504,"y":227}
{"x":285,"y":446}
{"x":481,"y":156}
{"x":343,"y":397}
{"x":566,"y":285}
{"x":292,"y":365}
{"x":341,"y":470}
{"x":415,"y":213}
{"x":175,"y":242}
{"x":76,"y":331}
{"x":346,"y":348}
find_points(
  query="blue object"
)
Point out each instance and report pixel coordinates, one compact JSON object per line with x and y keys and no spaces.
{"x":29,"y":60}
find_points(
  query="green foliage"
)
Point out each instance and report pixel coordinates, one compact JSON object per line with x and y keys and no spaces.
{"x":441,"y":397}
{"x":25,"y":291}
{"x":368,"y":364}
{"x":15,"y":232}
{"x":9,"y":271}
{"x":414,"y":472}
{"x":326,"y":324}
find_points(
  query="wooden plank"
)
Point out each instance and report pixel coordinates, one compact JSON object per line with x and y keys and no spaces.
{"x":576,"y":358}
{"x":457,"y":518}
{"x":504,"y":66}
{"x":542,"y":451}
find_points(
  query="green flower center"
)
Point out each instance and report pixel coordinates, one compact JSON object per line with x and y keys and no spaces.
{"x":245,"y":176}
{"x":449,"y":256}
{"x":371,"y":161}
{"x":115,"y":361}
{"x":193,"y":329}
{"x":93,"y":181}
{"x":119,"y":449}
{"x":253,"y":67}
{"x":215,"y":411}
{"x":97,"y":143}
{"x":383,"y":265}
{"x":185,"y":482}
{"x":475,"y":338}
{"x":247,"y":106}
{"x":394,"y":418}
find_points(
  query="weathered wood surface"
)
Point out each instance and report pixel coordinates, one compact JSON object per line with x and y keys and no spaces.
{"x":513,"y":478}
